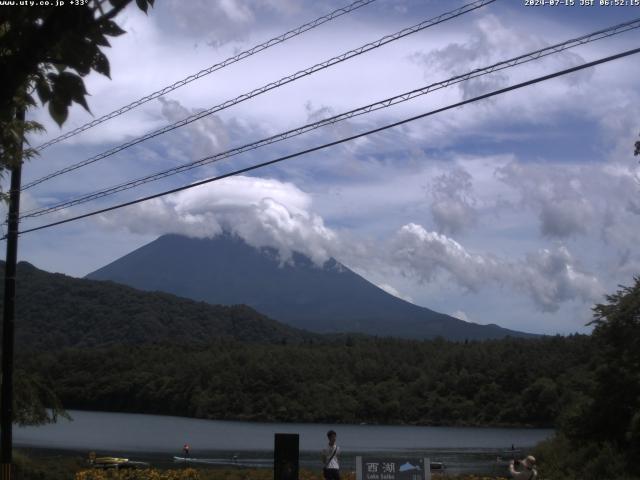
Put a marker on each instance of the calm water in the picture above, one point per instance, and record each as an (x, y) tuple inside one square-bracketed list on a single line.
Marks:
[(158, 438)]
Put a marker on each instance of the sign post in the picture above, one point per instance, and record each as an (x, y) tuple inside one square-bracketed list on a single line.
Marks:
[(376, 468)]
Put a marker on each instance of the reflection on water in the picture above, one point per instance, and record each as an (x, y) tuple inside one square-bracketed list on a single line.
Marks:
[(157, 439)]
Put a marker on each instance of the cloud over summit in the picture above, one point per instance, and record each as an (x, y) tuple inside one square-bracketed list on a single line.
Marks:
[(264, 212)]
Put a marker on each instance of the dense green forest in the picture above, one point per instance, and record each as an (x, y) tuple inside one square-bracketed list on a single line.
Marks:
[(57, 311), (505, 382)]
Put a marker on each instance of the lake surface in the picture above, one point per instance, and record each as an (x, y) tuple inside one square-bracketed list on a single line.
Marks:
[(160, 437)]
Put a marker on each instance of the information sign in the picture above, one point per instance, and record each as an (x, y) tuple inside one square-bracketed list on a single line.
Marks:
[(377, 468)]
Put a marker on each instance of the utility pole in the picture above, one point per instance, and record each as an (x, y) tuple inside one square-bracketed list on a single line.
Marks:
[(8, 317)]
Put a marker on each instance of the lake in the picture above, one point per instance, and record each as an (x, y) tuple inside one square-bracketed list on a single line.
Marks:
[(157, 438)]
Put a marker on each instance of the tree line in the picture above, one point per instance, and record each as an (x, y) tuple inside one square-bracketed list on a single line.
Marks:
[(599, 430), (349, 380)]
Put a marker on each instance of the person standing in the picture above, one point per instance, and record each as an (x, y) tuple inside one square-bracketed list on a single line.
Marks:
[(527, 473), (331, 465)]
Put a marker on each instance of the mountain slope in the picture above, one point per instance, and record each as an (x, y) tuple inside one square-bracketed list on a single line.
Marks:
[(55, 311), (225, 270)]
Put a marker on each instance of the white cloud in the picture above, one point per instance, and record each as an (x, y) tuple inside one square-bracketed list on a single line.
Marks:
[(489, 41), (556, 192), (215, 22), (264, 212), (202, 138), (581, 201), (549, 277), (460, 315), (453, 206), (553, 276), (392, 291), (426, 254)]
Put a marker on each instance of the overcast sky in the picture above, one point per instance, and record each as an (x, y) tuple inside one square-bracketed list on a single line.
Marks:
[(521, 210)]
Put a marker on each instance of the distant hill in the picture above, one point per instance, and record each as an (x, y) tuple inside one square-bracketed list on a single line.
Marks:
[(55, 311), (225, 270)]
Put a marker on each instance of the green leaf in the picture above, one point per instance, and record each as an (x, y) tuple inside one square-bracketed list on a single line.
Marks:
[(58, 111), (101, 40), (29, 101), (69, 87), (43, 89), (82, 101), (111, 28), (100, 64), (77, 53), (15, 134), (142, 5), (74, 82)]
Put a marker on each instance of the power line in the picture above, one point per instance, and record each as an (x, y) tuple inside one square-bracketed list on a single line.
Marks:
[(537, 54), (218, 66), (271, 86), (343, 140)]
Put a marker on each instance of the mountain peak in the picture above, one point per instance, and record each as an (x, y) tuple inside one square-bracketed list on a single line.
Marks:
[(328, 298)]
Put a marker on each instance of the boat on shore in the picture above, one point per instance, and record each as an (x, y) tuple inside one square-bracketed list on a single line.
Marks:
[(232, 462), (116, 463)]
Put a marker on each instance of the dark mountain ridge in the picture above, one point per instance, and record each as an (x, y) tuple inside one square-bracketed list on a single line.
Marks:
[(332, 298), (55, 311)]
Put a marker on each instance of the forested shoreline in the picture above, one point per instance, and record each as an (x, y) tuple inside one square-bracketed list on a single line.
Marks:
[(510, 382)]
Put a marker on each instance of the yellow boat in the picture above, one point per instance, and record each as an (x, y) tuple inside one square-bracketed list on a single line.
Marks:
[(114, 462), (110, 460)]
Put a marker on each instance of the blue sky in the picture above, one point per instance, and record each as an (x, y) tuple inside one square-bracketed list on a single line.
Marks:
[(521, 210)]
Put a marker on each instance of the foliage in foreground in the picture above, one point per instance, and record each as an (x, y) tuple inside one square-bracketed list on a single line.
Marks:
[(599, 432), (135, 474), (34, 400), (222, 474), (54, 467), (48, 51)]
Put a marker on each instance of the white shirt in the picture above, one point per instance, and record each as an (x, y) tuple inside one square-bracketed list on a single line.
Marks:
[(327, 452)]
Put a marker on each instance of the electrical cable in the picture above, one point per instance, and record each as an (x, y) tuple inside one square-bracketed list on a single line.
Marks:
[(218, 66), (598, 35), (271, 86), (343, 140)]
